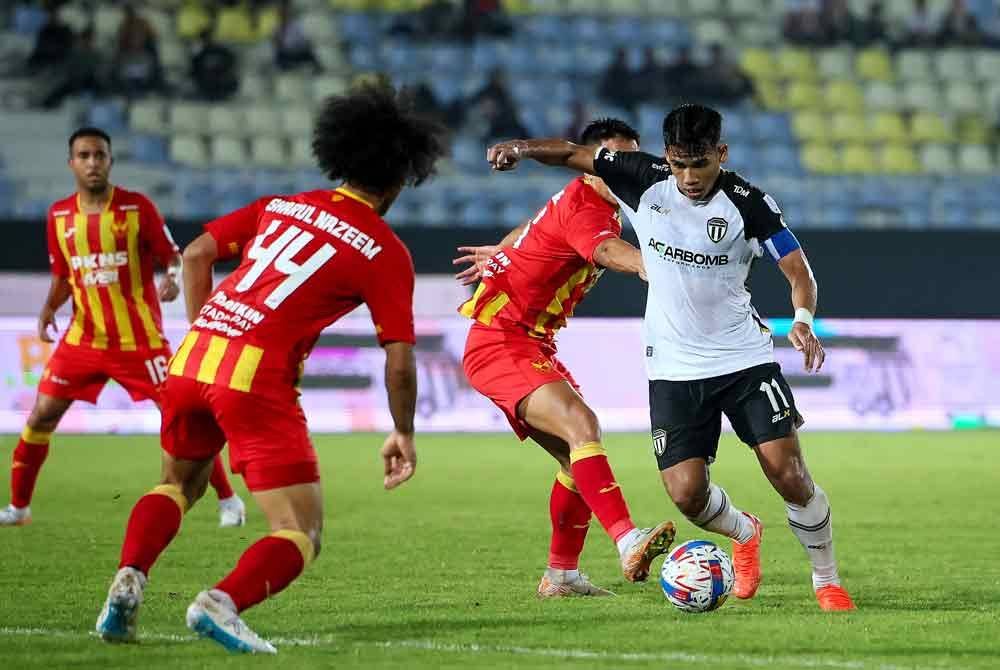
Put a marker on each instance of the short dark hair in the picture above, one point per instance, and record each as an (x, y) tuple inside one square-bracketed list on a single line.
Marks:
[(88, 131), (599, 130), (693, 128), (371, 137)]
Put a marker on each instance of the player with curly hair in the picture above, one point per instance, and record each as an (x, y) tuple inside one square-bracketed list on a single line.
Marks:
[(307, 260)]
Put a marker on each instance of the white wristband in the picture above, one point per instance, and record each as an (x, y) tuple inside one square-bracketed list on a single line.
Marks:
[(803, 315)]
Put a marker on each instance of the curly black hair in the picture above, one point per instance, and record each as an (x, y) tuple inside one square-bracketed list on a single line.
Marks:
[(371, 137), (692, 128), (599, 130)]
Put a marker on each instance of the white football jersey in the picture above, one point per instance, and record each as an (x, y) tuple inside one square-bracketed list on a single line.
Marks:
[(699, 321)]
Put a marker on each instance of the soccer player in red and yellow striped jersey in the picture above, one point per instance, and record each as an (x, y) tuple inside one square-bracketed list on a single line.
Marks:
[(531, 283), (103, 242)]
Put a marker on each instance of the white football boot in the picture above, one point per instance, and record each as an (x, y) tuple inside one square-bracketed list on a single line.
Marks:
[(232, 512), (117, 620), (213, 615), (555, 584), (15, 516)]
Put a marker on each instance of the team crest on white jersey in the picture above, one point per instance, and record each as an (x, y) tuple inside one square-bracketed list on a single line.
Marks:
[(716, 228)]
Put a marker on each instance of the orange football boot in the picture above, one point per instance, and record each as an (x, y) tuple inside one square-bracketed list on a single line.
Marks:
[(746, 562), (834, 598)]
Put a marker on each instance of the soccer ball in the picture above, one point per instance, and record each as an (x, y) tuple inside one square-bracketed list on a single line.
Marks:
[(697, 576)]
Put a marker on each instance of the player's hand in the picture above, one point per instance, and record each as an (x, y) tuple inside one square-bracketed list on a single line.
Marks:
[(400, 457), (804, 339), (46, 320), (504, 156), (476, 257), (169, 289)]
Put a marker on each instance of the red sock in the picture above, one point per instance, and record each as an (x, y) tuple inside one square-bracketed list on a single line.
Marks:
[(219, 480), (154, 522), (267, 567), (570, 521), (30, 453), (596, 483)]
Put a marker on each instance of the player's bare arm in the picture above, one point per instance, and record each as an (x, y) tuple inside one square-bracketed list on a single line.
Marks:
[(618, 255), (476, 257), (169, 288), (399, 453), (506, 155), (199, 257), (795, 267), (59, 292)]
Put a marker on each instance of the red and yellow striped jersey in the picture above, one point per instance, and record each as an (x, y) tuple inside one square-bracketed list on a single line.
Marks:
[(307, 260), (537, 282), (108, 259)]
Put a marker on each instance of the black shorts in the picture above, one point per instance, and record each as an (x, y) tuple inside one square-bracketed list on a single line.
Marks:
[(686, 417)]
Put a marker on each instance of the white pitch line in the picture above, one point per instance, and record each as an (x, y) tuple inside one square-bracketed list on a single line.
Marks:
[(330, 641)]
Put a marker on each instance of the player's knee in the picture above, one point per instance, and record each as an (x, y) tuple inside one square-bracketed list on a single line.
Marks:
[(794, 485), (690, 500), (584, 425)]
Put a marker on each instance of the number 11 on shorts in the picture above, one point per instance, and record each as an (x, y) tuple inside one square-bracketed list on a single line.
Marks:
[(766, 388)]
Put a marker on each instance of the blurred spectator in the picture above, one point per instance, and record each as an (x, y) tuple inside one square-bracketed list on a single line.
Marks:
[(802, 23), (491, 111), (52, 44), (213, 68), (424, 100), (680, 81), (435, 19), (838, 24), (136, 28), (484, 17), (136, 68), (725, 82), (80, 74), (291, 46), (873, 28), (578, 121), (616, 82), (959, 26), (921, 26)]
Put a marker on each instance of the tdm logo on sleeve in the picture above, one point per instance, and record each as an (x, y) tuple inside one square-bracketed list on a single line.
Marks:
[(659, 441), (716, 228)]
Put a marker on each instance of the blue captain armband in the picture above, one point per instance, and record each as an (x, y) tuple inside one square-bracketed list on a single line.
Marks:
[(781, 244)]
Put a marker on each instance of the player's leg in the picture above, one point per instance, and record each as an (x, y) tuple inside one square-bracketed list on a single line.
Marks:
[(809, 516), (232, 511), (686, 422), (570, 518), (558, 410), (30, 453)]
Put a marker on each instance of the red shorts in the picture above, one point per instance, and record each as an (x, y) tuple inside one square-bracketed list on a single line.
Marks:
[(507, 365), (80, 373), (268, 439)]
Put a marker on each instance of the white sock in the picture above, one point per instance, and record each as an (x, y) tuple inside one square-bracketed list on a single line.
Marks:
[(231, 500), (627, 540), (560, 576), (719, 516), (812, 525)]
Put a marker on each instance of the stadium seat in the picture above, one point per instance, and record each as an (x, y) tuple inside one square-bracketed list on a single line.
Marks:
[(297, 120), (930, 127), (843, 95), (147, 116), (174, 55), (875, 65), (192, 19), (291, 88), (188, 117), (937, 158), (301, 153), (254, 86), (803, 96), (712, 31), (898, 159), (858, 159), (821, 159), (963, 97), (146, 148), (797, 64), (324, 86), (811, 126), (109, 115), (229, 151), (835, 63), (263, 120), (881, 96), (234, 25), (973, 129), (759, 64), (771, 127), (319, 27), (986, 65), (914, 65), (753, 10), (226, 120), (188, 150), (921, 96), (268, 151), (888, 127), (848, 127), (107, 19), (953, 65), (769, 94), (975, 159), (759, 33), (707, 8)]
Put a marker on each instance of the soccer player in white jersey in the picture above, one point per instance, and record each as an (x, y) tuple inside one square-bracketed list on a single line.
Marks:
[(700, 228)]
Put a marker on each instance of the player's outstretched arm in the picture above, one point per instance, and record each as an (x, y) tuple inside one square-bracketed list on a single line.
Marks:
[(618, 255), (169, 288), (399, 452), (59, 292), (795, 267), (476, 257), (199, 257), (506, 155)]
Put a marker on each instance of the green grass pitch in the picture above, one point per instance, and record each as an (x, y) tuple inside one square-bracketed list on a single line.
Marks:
[(441, 573)]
